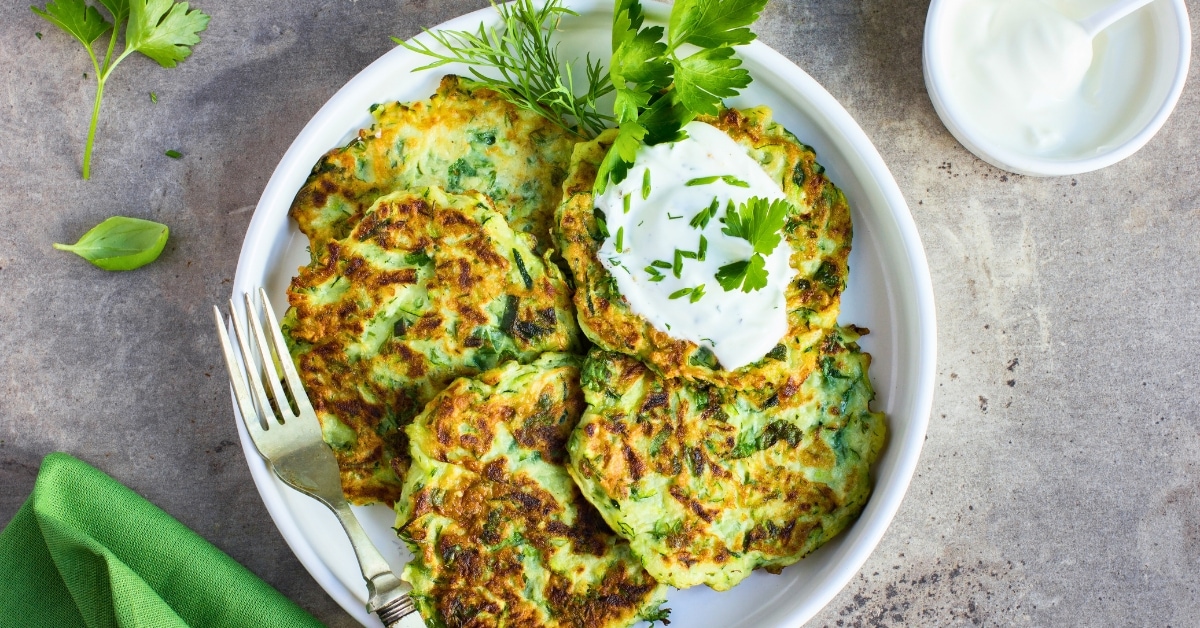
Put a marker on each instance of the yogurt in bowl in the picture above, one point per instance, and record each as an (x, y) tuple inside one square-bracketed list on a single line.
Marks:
[(1024, 87)]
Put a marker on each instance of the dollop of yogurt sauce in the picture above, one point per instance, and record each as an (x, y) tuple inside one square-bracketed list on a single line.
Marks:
[(1017, 68), (652, 215)]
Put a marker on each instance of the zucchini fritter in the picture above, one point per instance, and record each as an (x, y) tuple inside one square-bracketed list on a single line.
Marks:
[(818, 231), (428, 287), (501, 535), (707, 485), (465, 137)]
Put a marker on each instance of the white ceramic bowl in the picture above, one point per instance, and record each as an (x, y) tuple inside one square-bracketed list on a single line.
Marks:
[(889, 291), (1147, 111)]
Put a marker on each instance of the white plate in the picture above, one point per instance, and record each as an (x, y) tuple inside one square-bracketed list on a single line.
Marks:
[(889, 292)]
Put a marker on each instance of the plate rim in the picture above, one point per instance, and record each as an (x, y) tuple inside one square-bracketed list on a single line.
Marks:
[(885, 506)]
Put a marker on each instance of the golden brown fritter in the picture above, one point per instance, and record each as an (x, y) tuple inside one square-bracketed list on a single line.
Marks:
[(501, 535), (708, 485), (464, 137), (428, 287), (817, 230)]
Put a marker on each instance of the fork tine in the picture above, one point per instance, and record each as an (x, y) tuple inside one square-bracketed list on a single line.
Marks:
[(266, 415), (268, 362), (285, 361), (237, 380)]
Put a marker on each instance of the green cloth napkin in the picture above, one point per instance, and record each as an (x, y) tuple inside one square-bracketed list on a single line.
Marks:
[(86, 551)]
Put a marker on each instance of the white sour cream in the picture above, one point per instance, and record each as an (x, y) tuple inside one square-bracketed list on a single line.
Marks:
[(738, 327), (1029, 78)]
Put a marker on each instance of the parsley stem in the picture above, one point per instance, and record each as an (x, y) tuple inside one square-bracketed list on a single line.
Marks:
[(91, 137), (101, 78), (112, 45)]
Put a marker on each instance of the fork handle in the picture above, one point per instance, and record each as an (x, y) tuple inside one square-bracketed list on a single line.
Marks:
[(389, 598)]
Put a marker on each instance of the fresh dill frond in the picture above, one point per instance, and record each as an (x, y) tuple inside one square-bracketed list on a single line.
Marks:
[(519, 61)]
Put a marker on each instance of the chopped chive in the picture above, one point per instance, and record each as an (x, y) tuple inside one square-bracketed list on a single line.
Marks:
[(39, 35), (687, 254), (660, 264), (620, 243), (682, 292), (174, 154), (734, 181), (677, 267), (602, 226), (625, 201), (700, 221), (670, 217), (728, 179), (646, 184), (153, 97), (697, 293), (703, 248)]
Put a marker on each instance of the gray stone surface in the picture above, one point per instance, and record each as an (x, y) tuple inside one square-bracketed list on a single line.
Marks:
[(1060, 482)]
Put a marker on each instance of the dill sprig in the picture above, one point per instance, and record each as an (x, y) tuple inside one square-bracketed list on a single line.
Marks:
[(526, 70)]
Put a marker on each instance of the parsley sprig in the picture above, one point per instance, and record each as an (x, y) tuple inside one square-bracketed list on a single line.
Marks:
[(657, 90), (163, 30), (522, 64), (759, 222)]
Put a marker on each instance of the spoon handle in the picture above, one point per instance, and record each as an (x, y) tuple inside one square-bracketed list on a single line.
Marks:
[(1105, 17)]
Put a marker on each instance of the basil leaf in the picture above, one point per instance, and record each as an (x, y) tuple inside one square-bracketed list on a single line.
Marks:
[(120, 243)]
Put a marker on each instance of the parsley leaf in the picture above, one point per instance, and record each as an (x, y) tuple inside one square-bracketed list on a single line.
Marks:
[(79, 20), (749, 275), (664, 119), (638, 58), (713, 23), (163, 30), (705, 78), (757, 221)]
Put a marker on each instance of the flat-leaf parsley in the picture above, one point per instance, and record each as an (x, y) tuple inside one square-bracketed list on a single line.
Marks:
[(757, 221), (163, 30)]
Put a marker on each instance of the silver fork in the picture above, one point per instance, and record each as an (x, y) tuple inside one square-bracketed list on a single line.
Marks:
[(288, 436)]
